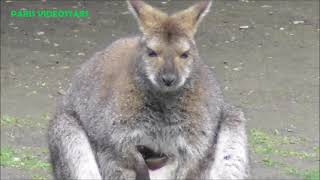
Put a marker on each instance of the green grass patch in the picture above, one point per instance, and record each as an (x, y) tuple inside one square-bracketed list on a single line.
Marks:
[(24, 160), (305, 174), (288, 169), (312, 175), (268, 145), (39, 177), (293, 170), (270, 162), (7, 120), (264, 143)]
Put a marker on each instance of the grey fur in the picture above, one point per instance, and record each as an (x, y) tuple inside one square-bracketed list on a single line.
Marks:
[(112, 106)]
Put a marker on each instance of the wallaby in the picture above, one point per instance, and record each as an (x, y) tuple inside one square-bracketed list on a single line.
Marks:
[(148, 107)]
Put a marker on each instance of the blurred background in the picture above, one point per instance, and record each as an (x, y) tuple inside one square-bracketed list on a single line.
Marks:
[(264, 53)]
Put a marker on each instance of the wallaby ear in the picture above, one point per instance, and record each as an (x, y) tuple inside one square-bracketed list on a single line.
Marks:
[(148, 17), (190, 18)]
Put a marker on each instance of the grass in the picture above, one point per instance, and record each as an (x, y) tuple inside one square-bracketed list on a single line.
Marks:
[(38, 177), (24, 160), (7, 120), (269, 162), (268, 145), (305, 174), (312, 175), (264, 143)]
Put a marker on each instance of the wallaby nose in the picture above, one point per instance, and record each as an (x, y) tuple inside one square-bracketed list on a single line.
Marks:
[(168, 79)]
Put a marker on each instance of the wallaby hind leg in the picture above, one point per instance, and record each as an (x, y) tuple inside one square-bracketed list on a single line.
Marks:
[(70, 150), (231, 156)]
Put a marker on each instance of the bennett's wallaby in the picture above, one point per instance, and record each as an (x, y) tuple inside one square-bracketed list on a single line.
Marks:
[(147, 107)]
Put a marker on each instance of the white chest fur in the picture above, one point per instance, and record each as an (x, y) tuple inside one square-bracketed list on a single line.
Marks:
[(166, 172)]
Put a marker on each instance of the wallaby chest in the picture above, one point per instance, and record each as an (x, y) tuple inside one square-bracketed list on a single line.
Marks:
[(171, 125)]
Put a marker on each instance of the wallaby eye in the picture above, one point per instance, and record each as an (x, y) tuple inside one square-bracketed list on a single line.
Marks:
[(151, 53), (184, 55)]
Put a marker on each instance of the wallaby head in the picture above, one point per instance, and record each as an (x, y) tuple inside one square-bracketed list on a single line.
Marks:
[(169, 51)]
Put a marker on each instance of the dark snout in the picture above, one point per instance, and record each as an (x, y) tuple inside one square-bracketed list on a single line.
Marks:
[(168, 79)]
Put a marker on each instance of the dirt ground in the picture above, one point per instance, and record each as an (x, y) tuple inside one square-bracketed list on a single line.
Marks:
[(265, 54)]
